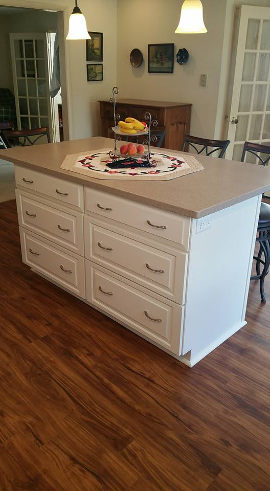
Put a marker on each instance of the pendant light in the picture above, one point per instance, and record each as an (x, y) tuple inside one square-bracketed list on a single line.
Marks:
[(77, 25), (191, 18)]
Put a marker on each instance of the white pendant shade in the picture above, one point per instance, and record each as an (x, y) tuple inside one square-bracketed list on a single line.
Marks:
[(77, 25), (191, 18)]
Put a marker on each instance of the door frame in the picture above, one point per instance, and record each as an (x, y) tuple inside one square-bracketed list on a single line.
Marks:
[(243, 13), (63, 11)]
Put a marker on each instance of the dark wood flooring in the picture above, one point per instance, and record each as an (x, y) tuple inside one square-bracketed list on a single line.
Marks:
[(87, 405)]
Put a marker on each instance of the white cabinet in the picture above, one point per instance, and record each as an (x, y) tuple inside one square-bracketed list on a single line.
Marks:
[(157, 320), (60, 266), (180, 283)]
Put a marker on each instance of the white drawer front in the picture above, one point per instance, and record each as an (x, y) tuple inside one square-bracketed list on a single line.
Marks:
[(159, 271), (57, 188), (158, 321), (146, 218), (66, 229), (62, 268)]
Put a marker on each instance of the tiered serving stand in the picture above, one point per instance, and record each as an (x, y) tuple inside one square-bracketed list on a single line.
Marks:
[(143, 160)]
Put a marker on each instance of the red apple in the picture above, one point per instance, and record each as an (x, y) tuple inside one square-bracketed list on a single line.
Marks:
[(124, 149), (140, 149), (132, 149)]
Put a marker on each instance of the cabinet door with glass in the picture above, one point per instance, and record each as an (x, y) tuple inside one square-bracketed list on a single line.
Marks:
[(29, 56)]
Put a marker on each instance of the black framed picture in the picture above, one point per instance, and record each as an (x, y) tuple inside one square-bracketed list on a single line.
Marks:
[(94, 73), (94, 47), (160, 58)]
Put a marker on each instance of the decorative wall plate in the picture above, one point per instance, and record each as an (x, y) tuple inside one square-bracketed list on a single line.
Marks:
[(136, 58), (182, 56)]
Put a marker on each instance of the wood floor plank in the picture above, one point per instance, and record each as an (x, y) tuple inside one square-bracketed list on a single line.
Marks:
[(86, 404)]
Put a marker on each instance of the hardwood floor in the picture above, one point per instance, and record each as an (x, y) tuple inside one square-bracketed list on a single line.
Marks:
[(87, 405)]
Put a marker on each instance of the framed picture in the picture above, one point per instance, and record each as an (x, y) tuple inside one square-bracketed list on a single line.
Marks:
[(94, 73), (94, 47), (160, 58)]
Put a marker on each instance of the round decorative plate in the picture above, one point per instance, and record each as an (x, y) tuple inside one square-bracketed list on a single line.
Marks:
[(136, 58)]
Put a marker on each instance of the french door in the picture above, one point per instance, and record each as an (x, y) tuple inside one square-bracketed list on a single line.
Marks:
[(31, 77), (249, 118)]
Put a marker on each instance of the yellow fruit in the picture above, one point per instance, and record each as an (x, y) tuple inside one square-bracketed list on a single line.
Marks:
[(128, 131), (128, 126), (136, 123)]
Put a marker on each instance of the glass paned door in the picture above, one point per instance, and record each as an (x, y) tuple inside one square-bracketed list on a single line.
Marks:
[(30, 79), (250, 106)]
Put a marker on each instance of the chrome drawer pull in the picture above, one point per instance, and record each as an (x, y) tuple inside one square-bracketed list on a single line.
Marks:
[(102, 208), (63, 229), (154, 270), (28, 181), (150, 318), (162, 227), (34, 253), (69, 271), (62, 194), (105, 248), (105, 293), (31, 214)]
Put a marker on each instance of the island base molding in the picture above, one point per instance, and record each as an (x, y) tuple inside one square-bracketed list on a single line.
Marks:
[(178, 282)]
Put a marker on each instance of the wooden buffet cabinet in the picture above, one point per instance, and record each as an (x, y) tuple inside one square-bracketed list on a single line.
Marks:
[(174, 117)]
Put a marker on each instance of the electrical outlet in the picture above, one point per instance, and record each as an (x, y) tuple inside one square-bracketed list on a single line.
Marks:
[(202, 224), (203, 80)]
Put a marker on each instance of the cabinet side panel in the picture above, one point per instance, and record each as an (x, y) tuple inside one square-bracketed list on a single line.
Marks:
[(222, 246)]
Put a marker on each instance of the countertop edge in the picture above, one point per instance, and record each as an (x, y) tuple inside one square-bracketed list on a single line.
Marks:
[(141, 199)]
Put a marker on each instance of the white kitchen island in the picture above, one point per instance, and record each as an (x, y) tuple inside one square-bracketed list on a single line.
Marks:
[(170, 260)]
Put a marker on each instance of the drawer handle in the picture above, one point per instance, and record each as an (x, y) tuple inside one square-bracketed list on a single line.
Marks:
[(63, 229), (30, 214), (102, 208), (69, 271), (105, 248), (151, 318), (105, 293), (162, 227), (154, 270), (29, 181), (62, 194), (33, 252)]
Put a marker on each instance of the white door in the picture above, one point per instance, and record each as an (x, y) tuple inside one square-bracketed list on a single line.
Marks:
[(30, 65), (249, 118)]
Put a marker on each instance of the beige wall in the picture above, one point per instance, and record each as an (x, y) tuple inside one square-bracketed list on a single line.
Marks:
[(27, 21), (157, 25), (82, 96)]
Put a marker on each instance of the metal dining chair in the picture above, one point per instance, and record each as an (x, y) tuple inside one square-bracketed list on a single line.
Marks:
[(26, 137), (262, 153), (205, 145)]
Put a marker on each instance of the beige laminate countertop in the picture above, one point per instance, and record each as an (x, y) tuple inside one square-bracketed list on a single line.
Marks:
[(221, 184)]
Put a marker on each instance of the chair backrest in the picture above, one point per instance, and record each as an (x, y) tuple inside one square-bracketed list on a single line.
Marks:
[(30, 137), (204, 145), (257, 149)]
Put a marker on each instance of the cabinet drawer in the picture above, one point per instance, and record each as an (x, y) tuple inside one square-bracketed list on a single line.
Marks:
[(57, 188), (66, 229), (65, 269), (159, 322), (145, 218), (151, 267)]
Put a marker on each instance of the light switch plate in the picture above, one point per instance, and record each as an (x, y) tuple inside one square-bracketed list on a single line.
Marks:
[(203, 80)]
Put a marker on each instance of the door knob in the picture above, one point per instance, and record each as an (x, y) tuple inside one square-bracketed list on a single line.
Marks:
[(234, 120)]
